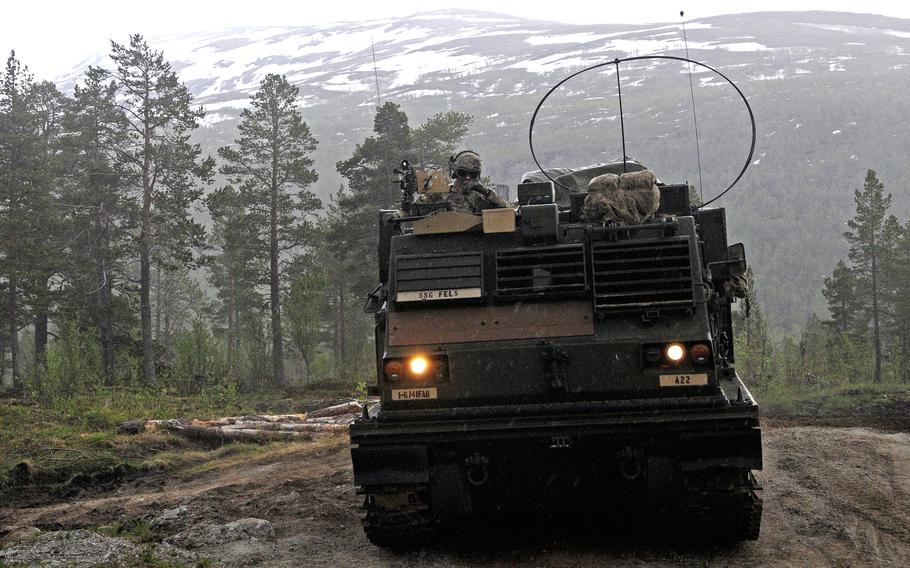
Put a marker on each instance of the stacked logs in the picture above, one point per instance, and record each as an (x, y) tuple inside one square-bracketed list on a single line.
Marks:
[(254, 428)]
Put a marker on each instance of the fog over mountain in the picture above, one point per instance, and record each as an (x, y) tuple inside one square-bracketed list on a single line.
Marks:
[(829, 92)]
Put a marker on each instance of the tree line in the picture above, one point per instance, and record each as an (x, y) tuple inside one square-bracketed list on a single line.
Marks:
[(866, 336), (107, 277)]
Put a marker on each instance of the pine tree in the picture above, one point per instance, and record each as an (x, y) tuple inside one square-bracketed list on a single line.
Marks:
[(96, 209), (236, 266), (20, 190), (751, 337), (348, 253), (844, 302), (166, 168), (46, 231), (369, 170), (897, 285), (437, 139), (308, 307), (271, 165), (871, 238)]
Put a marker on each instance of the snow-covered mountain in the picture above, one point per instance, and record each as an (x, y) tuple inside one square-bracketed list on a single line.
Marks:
[(829, 92)]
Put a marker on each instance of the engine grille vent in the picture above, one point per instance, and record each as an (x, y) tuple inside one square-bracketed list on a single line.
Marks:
[(541, 271), (438, 271), (650, 274)]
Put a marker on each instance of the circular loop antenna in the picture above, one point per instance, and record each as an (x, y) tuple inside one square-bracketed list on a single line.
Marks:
[(616, 62)]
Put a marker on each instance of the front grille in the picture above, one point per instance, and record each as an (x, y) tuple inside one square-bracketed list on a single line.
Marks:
[(438, 271), (541, 271), (651, 274)]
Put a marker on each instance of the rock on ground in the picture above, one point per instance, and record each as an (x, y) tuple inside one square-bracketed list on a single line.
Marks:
[(82, 548)]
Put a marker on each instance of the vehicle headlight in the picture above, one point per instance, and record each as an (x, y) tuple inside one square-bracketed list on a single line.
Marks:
[(418, 365), (675, 352)]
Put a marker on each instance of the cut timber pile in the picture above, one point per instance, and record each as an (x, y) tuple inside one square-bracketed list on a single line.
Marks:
[(255, 428)]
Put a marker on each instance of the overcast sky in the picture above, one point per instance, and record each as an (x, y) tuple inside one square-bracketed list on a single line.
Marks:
[(52, 37)]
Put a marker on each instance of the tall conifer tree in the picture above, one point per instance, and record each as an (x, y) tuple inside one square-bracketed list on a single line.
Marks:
[(19, 160), (844, 302), (97, 211), (871, 239), (271, 165), (165, 167), (237, 266)]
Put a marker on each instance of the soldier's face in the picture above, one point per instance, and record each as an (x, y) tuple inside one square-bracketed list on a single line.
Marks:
[(464, 178)]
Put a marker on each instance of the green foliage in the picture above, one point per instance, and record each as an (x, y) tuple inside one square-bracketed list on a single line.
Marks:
[(137, 530), (844, 297), (73, 362), (360, 391), (752, 340), (271, 165), (779, 398), (436, 140), (307, 309), (200, 362), (156, 152)]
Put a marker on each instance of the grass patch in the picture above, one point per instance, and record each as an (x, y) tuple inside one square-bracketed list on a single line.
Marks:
[(54, 442), (192, 462), (136, 530), (803, 400)]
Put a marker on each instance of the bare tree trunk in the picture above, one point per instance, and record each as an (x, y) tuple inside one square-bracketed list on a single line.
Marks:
[(342, 333), (145, 266), (278, 378), (40, 320), (232, 322), (164, 340), (105, 329), (903, 341), (13, 311), (158, 305), (876, 331), (103, 316), (2, 361), (336, 332)]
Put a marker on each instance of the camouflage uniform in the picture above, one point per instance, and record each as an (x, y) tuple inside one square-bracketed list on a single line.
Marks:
[(468, 195), (474, 198)]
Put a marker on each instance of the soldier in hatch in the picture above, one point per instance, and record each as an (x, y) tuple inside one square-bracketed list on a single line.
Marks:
[(466, 192)]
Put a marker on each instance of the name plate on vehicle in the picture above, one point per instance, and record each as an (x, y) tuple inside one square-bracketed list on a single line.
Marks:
[(444, 294), (414, 394), (697, 379)]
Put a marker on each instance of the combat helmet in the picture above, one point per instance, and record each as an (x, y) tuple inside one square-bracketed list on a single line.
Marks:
[(467, 160)]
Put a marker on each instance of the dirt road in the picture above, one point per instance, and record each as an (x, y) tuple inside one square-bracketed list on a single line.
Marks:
[(833, 497)]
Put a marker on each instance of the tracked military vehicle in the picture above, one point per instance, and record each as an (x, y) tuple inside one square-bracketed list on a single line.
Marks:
[(544, 358)]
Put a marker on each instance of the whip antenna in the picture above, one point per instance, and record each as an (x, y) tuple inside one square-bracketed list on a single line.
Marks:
[(375, 76), (388, 168), (694, 114), (622, 125)]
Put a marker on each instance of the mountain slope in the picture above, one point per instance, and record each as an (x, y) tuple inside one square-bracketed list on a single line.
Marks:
[(828, 92)]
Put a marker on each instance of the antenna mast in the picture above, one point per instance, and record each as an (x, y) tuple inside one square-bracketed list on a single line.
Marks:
[(388, 168), (694, 114), (622, 124), (375, 75)]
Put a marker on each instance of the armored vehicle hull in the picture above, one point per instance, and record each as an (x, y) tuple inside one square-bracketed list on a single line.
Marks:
[(551, 362)]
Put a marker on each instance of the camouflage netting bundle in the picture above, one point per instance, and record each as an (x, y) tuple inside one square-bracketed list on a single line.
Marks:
[(628, 199)]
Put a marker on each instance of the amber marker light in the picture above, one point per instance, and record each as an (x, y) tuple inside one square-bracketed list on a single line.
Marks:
[(675, 352), (418, 365)]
